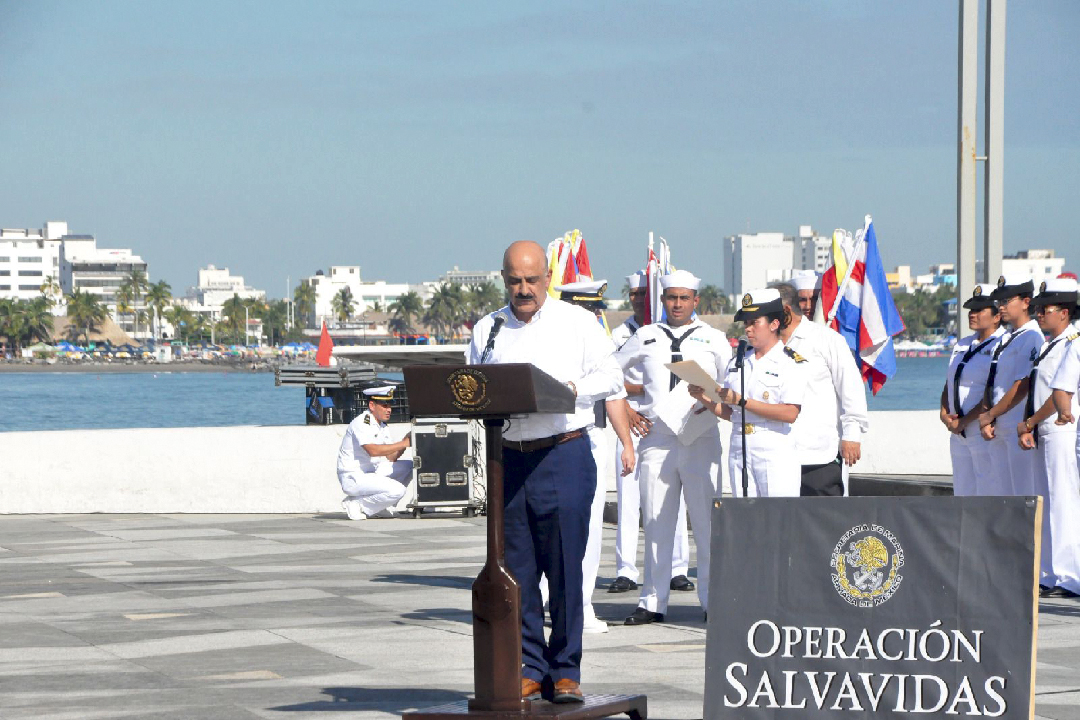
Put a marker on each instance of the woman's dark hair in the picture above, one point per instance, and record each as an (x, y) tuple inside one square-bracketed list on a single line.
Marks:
[(785, 319)]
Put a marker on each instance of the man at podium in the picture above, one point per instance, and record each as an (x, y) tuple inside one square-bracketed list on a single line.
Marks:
[(549, 474)]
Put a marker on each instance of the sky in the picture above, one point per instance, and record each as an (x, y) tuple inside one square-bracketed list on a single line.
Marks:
[(280, 138)]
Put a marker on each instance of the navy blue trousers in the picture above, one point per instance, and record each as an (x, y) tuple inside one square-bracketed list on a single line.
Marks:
[(547, 496)]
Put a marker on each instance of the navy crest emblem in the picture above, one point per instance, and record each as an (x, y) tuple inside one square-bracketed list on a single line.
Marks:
[(747, 300), (1001, 281)]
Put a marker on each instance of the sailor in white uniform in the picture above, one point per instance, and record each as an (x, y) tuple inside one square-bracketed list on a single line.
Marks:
[(962, 398), (1054, 445), (681, 454), (774, 386), (1007, 386), (589, 294), (629, 493), (828, 433), (369, 467)]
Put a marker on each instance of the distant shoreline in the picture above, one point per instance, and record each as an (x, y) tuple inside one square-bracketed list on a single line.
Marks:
[(122, 367)]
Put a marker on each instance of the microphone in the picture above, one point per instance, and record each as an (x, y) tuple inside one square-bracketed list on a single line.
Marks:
[(499, 320), (740, 353)]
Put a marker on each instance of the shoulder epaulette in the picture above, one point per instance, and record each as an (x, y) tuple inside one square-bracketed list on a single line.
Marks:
[(367, 419), (1072, 337), (793, 355)]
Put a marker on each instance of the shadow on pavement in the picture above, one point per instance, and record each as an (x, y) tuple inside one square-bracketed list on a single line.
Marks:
[(451, 581), (1065, 608), (451, 614), (394, 700)]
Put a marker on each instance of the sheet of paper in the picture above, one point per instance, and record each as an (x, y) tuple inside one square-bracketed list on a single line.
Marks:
[(694, 374), (677, 410)]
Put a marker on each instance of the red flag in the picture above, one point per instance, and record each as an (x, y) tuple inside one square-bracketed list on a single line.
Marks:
[(326, 347), (582, 259)]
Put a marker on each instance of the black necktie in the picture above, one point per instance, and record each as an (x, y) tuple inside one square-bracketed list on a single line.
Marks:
[(676, 350)]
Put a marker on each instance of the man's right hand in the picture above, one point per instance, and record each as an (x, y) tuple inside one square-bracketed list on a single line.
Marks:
[(639, 424)]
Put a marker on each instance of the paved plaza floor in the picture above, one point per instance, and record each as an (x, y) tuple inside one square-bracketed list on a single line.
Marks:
[(229, 617)]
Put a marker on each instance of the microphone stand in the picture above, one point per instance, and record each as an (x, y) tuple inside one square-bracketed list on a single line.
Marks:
[(740, 365)]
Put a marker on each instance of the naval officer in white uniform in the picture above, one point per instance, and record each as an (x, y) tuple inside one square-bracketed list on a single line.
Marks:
[(962, 398), (369, 467), (681, 453), (1011, 471), (775, 385), (828, 432), (629, 494), (1054, 445)]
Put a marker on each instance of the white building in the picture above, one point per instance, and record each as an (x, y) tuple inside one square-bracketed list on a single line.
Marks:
[(755, 261), (1039, 265), (216, 285), (101, 271), (471, 277), (28, 257), (366, 295)]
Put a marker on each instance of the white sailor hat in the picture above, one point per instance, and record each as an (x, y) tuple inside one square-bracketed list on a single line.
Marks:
[(759, 302), (590, 292), (805, 280), (637, 280), (382, 394), (1012, 285), (680, 279), (1059, 291), (982, 297)]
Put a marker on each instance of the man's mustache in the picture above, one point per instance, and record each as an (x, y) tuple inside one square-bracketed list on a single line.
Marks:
[(524, 297)]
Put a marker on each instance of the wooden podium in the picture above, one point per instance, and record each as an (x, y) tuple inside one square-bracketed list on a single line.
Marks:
[(492, 393)]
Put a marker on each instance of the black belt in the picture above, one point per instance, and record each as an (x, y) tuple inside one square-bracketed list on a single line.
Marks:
[(527, 446)]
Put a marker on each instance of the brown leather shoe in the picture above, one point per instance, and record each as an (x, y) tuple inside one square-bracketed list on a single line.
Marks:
[(530, 689), (567, 691)]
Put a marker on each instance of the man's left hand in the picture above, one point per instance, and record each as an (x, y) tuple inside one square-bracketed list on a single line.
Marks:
[(850, 451), (629, 458)]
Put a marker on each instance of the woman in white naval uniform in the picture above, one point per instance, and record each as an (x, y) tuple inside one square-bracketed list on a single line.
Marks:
[(774, 393), (1007, 384), (1054, 445), (962, 398)]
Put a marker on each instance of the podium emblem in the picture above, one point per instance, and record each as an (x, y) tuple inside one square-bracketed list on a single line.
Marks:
[(469, 388), (866, 565)]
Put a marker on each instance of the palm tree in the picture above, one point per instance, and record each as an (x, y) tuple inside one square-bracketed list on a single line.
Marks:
[(136, 281), (125, 301), (446, 309), (180, 318), (158, 296), (85, 312), (405, 309), (712, 301), (275, 319), (483, 299), (50, 290), (234, 312), (11, 322), (303, 302), (37, 321), (343, 304)]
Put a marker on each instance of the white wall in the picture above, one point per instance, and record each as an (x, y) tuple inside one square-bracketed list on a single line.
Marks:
[(288, 469)]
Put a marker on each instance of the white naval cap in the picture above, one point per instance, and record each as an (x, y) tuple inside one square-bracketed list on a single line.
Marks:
[(805, 280), (760, 302), (380, 394), (1013, 284), (637, 280), (1057, 291), (584, 287), (680, 279)]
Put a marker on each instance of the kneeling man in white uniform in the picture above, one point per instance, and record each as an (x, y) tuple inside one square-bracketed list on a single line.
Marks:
[(369, 469)]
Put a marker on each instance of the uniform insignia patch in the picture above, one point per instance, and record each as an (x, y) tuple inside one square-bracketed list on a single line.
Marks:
[(747, 300), (1034, 354), (794, 355), (978, 291), (765, 395), (650, 340), (1072, 337), (367, 419)]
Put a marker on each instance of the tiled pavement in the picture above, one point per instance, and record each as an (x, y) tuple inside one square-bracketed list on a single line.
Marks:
[(179, 616)]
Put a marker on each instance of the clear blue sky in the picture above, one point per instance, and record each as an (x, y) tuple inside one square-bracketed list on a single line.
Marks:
[(280, 138)]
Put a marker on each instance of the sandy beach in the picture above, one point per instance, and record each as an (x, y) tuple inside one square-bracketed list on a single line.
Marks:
[(134, 367)]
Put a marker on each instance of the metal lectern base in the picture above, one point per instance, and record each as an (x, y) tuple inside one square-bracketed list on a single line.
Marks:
[(595, 706)]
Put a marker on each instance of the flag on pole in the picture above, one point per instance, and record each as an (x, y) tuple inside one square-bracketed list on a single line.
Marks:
[(859, 305), (326, 348), (568, 261), (657, 264)]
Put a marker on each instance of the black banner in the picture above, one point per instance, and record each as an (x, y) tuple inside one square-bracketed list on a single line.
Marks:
[(883, 607)]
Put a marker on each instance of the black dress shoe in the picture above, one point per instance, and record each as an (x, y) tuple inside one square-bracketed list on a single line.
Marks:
[(1045, 591), (622, 584), (642, 616), (681, 582), (1061, 592)]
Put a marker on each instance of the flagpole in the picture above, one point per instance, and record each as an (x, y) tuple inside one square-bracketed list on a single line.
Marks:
[(847, 273)]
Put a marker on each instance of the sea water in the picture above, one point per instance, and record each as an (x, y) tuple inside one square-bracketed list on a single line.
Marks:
[(87, 400)]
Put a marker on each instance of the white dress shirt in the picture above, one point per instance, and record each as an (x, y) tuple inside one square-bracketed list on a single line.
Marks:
[(973, 377), (1057, 354), (363, 430), (775, 379), (567, 343), (834, 403), (633, 374), (650, 349)]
